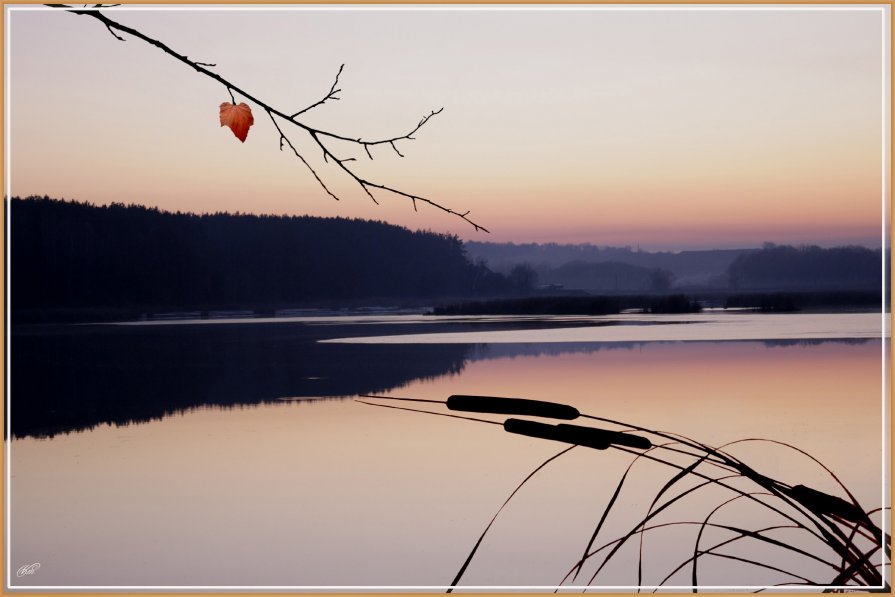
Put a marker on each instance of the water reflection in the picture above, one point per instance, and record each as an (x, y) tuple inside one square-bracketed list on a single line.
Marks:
[(510, 351), (335, 492), (69, 378)]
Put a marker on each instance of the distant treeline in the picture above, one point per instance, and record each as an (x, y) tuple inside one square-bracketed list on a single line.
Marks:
[(69, 255), (682, 263), (574, 305), (784, 266), (78, 260), (609, 276), (598, 268), (797, 301), (623, 270), (816, 300)]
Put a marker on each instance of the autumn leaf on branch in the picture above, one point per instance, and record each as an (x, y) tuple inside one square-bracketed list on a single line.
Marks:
[(238, 118)]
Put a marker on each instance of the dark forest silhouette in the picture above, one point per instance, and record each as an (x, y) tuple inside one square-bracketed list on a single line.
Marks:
[(69, 255), (811, 267)]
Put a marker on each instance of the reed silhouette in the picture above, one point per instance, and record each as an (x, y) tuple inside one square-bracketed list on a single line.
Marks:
[(835, 531)]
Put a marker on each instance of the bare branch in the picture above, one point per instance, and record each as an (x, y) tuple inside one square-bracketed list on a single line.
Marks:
[(285, 140), (113, 34), (409, 136), (315, 133), (415, 198), (329, 154), (329, 96)]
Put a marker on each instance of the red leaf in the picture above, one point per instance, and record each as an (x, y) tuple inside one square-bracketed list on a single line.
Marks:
[(238, 118)]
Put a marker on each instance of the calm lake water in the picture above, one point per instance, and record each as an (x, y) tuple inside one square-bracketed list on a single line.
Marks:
[(235, 453)]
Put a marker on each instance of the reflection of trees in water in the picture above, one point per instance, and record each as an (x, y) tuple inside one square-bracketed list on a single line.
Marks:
[(815, 342), (76, 378), (69, 378), (480, 352), (484, 352)]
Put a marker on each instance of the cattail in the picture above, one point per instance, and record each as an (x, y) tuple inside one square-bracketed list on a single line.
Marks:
[(553, 432), (824, 503), (612, 437), (590, 437), (512, 406)]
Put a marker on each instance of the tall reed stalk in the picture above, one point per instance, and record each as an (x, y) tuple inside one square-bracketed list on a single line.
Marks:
[(836, 533)]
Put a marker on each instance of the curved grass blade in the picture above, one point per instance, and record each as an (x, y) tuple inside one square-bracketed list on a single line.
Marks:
[(736, 490), (721, 544), (857, 567), (577, 568), (496, 514), (824, 505), (428, 412), (694, 581), (743, 534), (588, 554), (401, 399), (854, 501), (579, 565), (757, 563), (804, 453), (677, 477), (692, 443), (832, 534), (856, 529), (651, 513)]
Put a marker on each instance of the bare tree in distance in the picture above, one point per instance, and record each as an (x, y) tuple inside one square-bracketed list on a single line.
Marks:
[(322, 138)]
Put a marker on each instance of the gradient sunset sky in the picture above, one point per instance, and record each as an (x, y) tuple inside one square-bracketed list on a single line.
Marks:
[(668, 129)]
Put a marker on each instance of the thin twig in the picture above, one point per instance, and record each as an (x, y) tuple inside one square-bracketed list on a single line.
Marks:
[(329, 96), (115, 35), (285, 139)]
